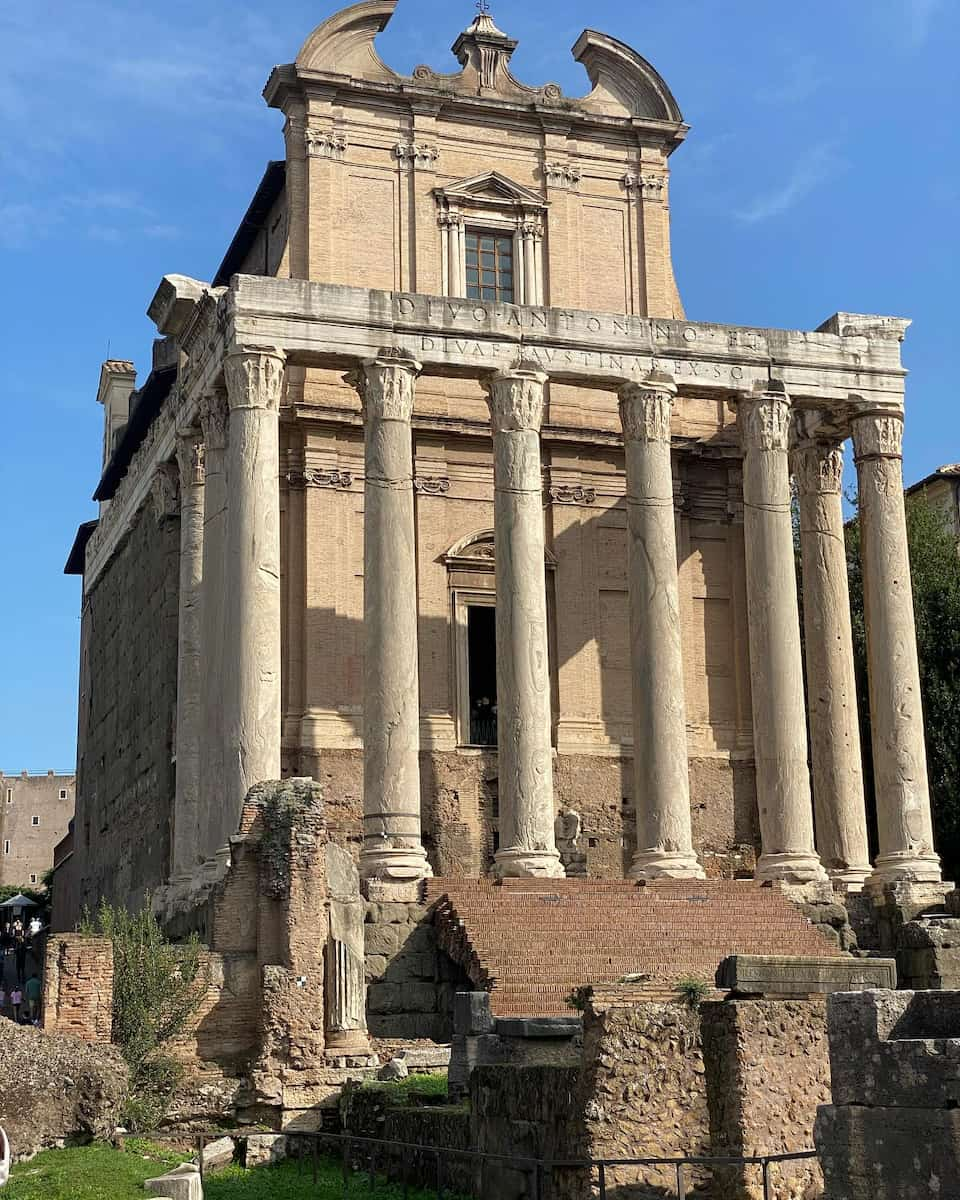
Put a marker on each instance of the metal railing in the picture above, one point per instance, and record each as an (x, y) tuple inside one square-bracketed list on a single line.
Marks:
[(440, 1169)]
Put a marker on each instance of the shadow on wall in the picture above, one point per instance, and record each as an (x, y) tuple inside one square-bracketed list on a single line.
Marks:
[(588, 624)]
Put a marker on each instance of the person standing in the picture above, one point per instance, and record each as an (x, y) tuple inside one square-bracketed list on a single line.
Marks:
[(16, 1002), (33, 991)]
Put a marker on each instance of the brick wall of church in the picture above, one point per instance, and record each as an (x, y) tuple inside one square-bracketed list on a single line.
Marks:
[(126, 774)]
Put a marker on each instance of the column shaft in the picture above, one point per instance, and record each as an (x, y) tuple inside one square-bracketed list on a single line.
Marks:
[(392, 848), (904, 821), (776, 668), (841, 822), (525, 767), (252, 580), (660, 771), (189, 663), (214, 416)]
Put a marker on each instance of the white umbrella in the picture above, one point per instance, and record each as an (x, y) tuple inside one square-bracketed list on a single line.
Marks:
[(4, 1158)]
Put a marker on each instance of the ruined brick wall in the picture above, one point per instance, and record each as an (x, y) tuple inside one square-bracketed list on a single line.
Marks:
[(78, 987), (125, 776), (767, 1070)]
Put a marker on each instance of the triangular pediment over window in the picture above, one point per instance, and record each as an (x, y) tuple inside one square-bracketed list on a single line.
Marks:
[(492, 187)]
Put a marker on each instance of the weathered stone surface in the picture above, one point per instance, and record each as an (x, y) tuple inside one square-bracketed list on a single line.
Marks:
[(471, 1014), (396, 1068), (54, 1088), (182, 1183), (776, 666), (661, 778), (841, 822), (392, 849), (527, 845), (260, 1149), (904, 822), (219, 1153), (759, 974), (895, 1049)]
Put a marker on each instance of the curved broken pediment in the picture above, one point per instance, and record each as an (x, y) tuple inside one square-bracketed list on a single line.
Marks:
[(623, 83)]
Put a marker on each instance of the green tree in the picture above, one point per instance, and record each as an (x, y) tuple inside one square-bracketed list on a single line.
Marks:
[(935, 576)]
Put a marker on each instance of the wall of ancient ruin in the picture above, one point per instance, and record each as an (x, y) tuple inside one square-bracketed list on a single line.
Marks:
[(78, 987), (767, 1069), (125, 772), (35, 811)]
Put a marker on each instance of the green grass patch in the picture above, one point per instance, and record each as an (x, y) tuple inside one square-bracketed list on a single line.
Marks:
[(415, 1089), (100, 1172), (97, 1172)]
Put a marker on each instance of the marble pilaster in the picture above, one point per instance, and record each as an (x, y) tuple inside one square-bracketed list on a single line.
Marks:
[(660, 771), (392, 848), (838, 801), (251, 661), (345, 1023), (214, 416), (776, 667), (525, 766), (904, 820), (190, 452)]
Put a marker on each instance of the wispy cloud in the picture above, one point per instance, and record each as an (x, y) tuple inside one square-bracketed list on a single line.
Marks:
[(921, 15), (810, 169), (801, 78)]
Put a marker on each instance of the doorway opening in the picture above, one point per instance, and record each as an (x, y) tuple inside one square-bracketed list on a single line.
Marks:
[(482, 673)]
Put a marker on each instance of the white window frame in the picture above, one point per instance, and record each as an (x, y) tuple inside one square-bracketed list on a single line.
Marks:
[(6, 846), (63, 794), (9, 795), (33, 878), (35, 822)]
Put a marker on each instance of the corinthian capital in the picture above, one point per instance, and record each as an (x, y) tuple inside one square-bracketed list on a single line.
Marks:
[(878, 435), (645, 409), (386, 385), (817, 467), (254, 378), (516, 399), (213, 418), (764, 420), (190, 457)]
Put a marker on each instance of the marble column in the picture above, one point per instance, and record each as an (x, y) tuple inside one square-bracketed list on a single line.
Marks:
[(776, 668), (661, 784), (896, 717), (525, 766), (251, 661), (345, 1023), (214, 416), (392, 848), (189, 662), (838, 803)]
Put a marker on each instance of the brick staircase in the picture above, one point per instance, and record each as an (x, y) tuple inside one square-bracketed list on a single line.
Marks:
[(530, 942)]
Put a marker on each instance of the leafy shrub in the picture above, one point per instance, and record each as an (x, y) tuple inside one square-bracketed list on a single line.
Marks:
[(158, 985), (692, 991)]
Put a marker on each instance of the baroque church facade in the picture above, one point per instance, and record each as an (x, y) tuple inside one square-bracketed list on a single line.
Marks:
[(434, 495)]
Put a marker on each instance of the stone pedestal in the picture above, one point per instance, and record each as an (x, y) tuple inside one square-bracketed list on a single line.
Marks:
[(776, 668), (896, 718), (527, 844), (214, 416), (661, 782), (251, 661), (392, 850), (189, 661), (841, 821)]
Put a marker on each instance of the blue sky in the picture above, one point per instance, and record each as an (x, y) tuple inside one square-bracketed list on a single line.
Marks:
[(822, 172)]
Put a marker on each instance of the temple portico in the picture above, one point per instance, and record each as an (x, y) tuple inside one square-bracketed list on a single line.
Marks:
[(805, 405)]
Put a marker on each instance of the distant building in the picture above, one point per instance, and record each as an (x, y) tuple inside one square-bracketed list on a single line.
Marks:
[(942, 490), (35, 813)]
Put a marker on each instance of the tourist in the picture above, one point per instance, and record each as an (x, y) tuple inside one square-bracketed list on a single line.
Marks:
[(35, 926), (20, 951), (3, 1000), (33, 990), (16, 1002)]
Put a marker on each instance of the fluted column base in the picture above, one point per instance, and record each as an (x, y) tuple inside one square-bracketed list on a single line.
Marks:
[(665, 864), (517, 863), (791, 868)]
